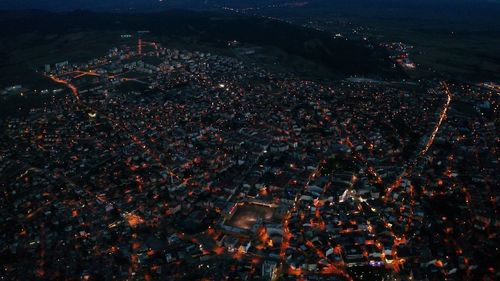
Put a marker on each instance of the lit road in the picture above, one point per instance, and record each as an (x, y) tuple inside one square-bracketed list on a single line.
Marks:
[(72, 87), (430, 141)]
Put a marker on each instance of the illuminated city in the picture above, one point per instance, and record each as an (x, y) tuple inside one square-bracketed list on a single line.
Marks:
[(157, 159)]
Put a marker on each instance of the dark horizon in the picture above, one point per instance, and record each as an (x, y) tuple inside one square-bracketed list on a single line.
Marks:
[(107, 5)]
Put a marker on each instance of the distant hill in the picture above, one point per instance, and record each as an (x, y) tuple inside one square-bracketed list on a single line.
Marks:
[(355, 6), (341, 57)]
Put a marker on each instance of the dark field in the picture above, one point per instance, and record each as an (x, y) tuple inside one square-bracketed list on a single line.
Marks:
[(452, 39)]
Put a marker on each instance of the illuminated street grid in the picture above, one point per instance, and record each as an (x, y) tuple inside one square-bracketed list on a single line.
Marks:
[(133, 169)]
